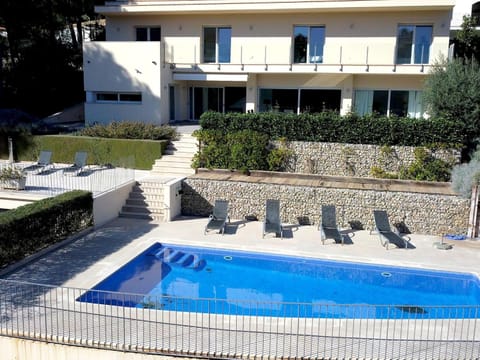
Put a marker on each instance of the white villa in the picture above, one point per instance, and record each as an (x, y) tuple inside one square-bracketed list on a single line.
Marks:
[(172, 60)]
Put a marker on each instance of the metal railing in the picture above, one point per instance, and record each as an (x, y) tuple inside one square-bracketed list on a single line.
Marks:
[(216, 328), (94, 178)]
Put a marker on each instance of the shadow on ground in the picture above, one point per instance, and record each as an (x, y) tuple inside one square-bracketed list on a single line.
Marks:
[(62, 264)]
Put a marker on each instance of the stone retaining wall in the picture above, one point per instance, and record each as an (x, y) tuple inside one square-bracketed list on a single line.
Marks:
[(438, 212), (354, 159)]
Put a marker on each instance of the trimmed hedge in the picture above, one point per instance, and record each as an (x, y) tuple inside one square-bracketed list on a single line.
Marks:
[(329, 126), (101, 151), (30, 228), (130, 130)]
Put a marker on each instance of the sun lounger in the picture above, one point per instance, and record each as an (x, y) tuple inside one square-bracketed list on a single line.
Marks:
[(78, 165), (385, 233), (42, 164), (272, 222), (219, 217), (328, 225)]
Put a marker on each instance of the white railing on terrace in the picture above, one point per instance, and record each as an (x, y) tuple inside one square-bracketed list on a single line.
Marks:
[(371, 57), (261, 330), (94, 178)]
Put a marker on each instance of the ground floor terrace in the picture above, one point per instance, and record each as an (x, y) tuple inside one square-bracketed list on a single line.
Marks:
[(39, 300)]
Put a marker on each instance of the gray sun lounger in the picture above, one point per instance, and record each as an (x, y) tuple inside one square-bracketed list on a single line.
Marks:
[(385, 233), (78, 164), (272, 222), (219, 217), (42, 164), (328, 225)]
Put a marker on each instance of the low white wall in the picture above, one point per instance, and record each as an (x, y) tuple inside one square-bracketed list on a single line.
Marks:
[(172, 193), (13, 348), (107, 205)]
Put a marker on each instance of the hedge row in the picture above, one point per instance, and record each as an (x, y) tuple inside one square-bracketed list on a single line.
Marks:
[(331, 127), (30, 228), (117, 152), (130, 130)]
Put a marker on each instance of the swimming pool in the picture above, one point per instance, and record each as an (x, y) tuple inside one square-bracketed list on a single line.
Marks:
[(172, 277)]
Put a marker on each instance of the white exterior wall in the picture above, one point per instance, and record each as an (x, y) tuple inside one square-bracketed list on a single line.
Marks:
[(462, 8), (358, 46), (122, 67)]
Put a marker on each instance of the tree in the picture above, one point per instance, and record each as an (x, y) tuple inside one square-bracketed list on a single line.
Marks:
[(467, 40), (41, 70), (452, 92)]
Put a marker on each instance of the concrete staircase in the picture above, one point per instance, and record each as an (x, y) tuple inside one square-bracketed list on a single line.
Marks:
[(145, 201), (177, 159)]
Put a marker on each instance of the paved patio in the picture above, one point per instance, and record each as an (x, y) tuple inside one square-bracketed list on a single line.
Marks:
[(52, 314), (87, 260)]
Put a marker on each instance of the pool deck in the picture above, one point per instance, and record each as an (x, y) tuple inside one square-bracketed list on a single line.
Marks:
[(83, 262)]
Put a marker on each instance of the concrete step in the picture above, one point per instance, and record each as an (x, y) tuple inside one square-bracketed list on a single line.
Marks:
[(180, 152), (148, 189), (142, 209), (177, 171), (175, 158), (146, 196), (145, 202), (174, 163), (154, 217)]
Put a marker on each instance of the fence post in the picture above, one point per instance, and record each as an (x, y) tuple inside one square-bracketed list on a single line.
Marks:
[(473, 216)]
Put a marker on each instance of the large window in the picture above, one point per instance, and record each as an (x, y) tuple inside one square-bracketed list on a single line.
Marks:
[(413, 44), (147, 33), (308, 44), (389, 102), (227, 99), (299, 100), (217, 44)]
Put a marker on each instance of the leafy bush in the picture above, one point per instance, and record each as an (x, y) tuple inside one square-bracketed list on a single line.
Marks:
[(329, 126), (426, 168), (130, 130), (465, 176), (248, 150), (241, 150), (278, 157), (30, 228), (380, 173)]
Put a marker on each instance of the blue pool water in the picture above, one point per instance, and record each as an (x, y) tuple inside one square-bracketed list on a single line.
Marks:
[(172, 277)]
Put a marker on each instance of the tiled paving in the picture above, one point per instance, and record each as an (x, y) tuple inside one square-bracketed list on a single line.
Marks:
[(84, 262)]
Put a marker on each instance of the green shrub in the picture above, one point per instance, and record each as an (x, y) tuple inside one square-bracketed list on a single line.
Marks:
[(379, 173), (130, 130), (248, 150), (426, 168), (278, 157), (30, 228), (465, 176), (138, 154), (241, 150)]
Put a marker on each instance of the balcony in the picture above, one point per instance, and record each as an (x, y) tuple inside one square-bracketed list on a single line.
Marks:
[(338, 57)]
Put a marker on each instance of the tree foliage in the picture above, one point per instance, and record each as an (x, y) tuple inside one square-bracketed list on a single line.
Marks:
[(452, 92), (467, 40), (40, 67)]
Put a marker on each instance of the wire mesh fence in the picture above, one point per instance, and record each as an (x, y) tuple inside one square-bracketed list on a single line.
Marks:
[(217, 328)]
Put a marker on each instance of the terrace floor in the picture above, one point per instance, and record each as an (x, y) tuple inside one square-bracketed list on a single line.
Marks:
[(85, 261)]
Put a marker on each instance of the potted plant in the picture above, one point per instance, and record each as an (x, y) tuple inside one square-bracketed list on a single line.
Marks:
[(12, 177)]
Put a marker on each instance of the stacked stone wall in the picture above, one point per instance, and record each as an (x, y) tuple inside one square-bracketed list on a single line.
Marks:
[(354, 159), (425, 213)]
